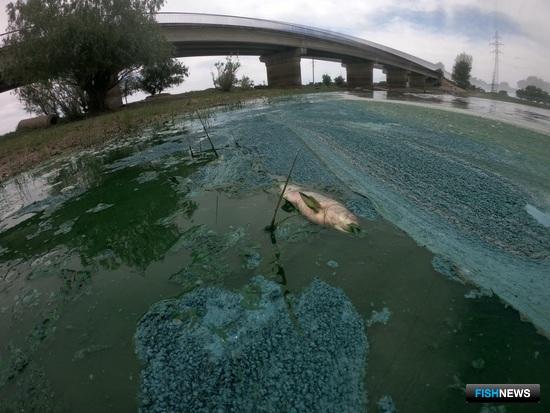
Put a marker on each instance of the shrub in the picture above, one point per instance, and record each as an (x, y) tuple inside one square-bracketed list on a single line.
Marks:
[(339, 81), (226, 76), (246, 83)]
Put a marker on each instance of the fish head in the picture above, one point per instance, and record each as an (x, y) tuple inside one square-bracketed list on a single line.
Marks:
[(345, 221)]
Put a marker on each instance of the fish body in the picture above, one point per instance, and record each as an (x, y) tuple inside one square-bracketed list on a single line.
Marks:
[(320, 209)]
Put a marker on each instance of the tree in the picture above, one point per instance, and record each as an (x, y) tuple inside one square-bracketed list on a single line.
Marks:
[(89, 44), (534, 81), (339, 81), (533, 94), (462, 69), (327, 80), (53, 98), (156, 77), (226, 76)]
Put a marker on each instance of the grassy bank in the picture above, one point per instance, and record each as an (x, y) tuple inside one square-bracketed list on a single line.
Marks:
[(20, 151)]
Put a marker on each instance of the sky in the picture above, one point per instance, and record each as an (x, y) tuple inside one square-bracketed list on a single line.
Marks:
[(435, 30)]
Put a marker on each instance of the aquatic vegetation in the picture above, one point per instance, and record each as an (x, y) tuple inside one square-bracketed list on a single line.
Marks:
[(207, 251), (455, 183), (243, 352), (238, 172)]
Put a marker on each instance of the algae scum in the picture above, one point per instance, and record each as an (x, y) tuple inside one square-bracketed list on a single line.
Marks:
[(139, 277)]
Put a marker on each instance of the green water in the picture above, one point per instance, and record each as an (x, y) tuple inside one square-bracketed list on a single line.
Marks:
[(107, 243)]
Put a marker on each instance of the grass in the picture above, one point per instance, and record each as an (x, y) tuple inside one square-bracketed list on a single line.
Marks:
[(20, 151)]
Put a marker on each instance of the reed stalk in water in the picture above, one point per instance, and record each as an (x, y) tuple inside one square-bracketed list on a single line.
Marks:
[(205, 127), (271, 228)]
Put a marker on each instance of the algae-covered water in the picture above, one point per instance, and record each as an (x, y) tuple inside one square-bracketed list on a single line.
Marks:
[(450, 276)]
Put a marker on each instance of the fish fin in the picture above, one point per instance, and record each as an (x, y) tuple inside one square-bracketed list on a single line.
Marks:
[(353, 228), (311, 202), (288, 207)]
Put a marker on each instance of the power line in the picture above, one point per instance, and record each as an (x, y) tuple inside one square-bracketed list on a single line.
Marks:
[(496, 50)]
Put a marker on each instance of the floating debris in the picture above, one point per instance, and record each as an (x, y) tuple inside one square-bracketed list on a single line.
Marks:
[(478, 363), (215, 350), (386, 405), (479, 293), (381, 317), (93, 348), (332, 264), (447, 268), (99, 207), (147, 176)]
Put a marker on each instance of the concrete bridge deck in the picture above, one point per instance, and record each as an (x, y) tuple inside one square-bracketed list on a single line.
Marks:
[(282, 45)]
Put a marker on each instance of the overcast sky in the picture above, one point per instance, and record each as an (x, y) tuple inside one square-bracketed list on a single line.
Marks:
[(431, 29)]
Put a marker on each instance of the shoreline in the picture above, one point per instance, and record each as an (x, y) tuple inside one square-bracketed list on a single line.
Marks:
[(24, 150)]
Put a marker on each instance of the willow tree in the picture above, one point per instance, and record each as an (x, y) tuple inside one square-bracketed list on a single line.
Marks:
[(89, 44)]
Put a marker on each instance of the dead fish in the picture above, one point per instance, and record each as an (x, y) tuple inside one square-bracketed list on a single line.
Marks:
[(321, 209)]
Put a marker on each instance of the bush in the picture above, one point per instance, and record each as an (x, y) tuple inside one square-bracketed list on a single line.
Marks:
[(327, 80), (339, 81), (246, 83), (226, 76)]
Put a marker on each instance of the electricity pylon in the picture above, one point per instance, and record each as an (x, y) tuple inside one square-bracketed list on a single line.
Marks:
[(496, 50)]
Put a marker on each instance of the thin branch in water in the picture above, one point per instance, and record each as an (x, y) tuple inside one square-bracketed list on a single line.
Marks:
[(205, 127), (271, 228)]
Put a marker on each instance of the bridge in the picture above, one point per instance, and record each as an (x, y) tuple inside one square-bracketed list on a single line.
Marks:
[(281, 46)]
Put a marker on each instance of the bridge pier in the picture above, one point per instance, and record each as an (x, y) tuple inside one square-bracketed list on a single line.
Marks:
[(397, 78), (359, 74), (283, 69), (417, 81)]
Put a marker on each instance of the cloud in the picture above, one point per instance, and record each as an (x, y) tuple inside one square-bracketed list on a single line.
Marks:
[(12, 112)]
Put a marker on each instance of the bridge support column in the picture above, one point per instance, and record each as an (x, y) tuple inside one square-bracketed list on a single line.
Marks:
[(283, 69), (396, 78), (417, 81), (359, 74)]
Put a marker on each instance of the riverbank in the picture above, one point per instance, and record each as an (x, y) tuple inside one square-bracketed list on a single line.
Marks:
[(20, 151), (23, 150), (506, 98)]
